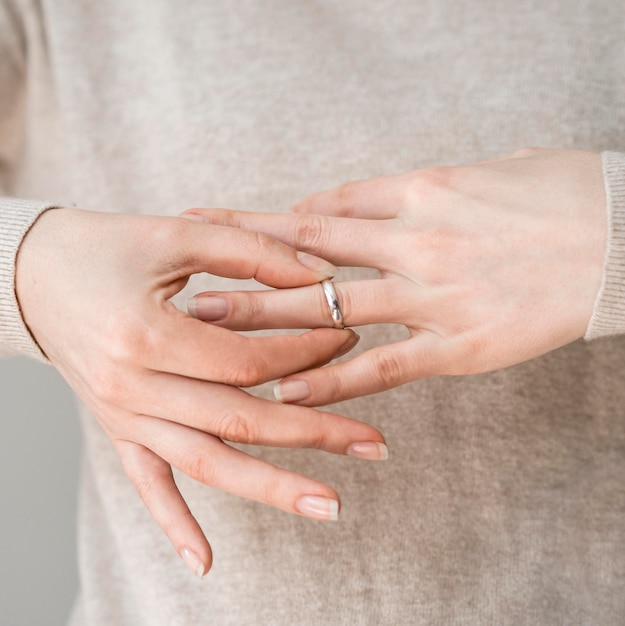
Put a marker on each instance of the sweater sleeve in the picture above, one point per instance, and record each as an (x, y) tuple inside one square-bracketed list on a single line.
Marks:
[(608, 317), (16, 216)]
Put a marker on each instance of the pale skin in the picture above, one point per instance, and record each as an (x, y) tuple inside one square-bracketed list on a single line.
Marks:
[(95, 292), (486, 266)]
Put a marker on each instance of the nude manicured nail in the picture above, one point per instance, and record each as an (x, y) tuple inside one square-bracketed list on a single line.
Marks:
[(208, 308), (194, 217), (193, 562), (318, 507), (317, 265), (370, 450), (351, 341), (291, 391)]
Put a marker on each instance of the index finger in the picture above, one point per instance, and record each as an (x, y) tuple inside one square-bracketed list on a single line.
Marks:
[(240, 253), (340, 240)]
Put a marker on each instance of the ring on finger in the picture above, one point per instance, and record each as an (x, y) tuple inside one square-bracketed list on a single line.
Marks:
[(333, 304)]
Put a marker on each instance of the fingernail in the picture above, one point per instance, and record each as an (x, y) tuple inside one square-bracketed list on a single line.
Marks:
[(194, 217), (317, 265), (351, 341), (370, 450), (193, 562), (207, 308), (291, 391), (318, 507)]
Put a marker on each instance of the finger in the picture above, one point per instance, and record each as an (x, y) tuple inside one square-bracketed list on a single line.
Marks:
[(210, 461), (376, 198), (361, 302), (153, 480), (236, 416), (193, 348), (342, 241), (376, 370), (236, 253)]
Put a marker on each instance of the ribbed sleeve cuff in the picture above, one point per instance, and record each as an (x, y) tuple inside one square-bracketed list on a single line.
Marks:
[(16, 218), (608, 317)]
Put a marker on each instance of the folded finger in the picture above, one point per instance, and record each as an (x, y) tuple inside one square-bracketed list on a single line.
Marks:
[(237, 253), (152, 478)]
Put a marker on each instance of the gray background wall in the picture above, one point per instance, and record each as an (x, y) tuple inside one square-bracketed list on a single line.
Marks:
[(39, 458)]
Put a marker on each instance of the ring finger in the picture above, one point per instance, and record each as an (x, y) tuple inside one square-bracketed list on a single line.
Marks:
[(361, 302)]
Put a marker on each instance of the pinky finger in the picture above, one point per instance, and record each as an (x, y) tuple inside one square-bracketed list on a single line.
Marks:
[(154, 481)]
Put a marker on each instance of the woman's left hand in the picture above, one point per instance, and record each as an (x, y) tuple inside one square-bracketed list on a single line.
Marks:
[(486, 265)]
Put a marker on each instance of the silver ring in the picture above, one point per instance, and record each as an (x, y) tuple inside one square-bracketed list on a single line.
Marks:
[(333, 303)]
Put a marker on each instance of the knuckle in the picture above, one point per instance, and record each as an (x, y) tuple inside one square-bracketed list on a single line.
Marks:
[(260, 244), (236, 428), (427, 182), (388, 369), (168, 526), (127, 339), (326, 428), (172, 524), (107, 385), (346, 197), (331, 387), (470, 350), (310, 232), (224, 217), (199, 467), (163, 235), (143, 485), (167, 242), (247, 372), (125, 343), (251, 305), (270, 491)]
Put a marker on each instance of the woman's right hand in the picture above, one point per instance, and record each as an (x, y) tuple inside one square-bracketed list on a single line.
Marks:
[(485, 265), (95, 292)]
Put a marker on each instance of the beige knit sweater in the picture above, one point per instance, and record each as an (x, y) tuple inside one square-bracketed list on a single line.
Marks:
[(504, 499)]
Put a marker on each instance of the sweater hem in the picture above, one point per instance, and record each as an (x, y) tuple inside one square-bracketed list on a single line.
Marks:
[(17, 216), (608, 317)]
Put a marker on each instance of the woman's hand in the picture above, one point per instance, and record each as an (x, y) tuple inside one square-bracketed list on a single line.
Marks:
[(94, 290), (486, 265)]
